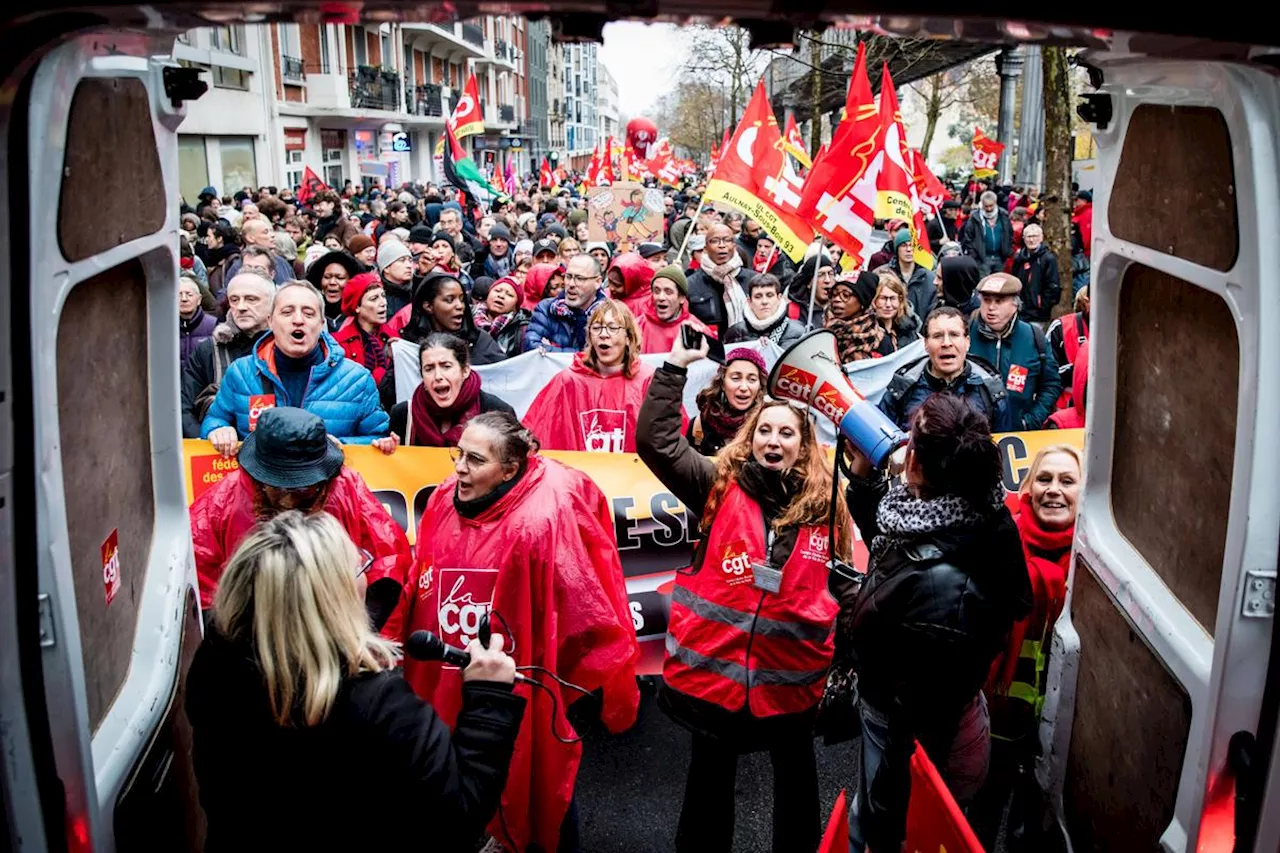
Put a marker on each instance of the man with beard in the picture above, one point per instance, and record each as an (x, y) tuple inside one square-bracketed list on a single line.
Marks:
[(296, 363), (718, 288), (248, 307), (290, 463)]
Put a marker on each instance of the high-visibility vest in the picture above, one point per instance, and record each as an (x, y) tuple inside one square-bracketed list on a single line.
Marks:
[(1017, 708), (733, 644), (1075, 334)]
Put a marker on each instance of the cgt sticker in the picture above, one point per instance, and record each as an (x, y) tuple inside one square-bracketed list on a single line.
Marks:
[(1017, 380), (111, 565)]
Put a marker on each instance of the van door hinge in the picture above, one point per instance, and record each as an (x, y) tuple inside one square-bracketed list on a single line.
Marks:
[(1259, 594), (48, 636)]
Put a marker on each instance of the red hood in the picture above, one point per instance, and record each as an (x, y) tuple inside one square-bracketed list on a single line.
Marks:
[(637, 275), (1080, 378), (535, 283)]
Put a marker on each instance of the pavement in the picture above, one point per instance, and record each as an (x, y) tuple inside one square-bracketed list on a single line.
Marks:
[(630, 787)]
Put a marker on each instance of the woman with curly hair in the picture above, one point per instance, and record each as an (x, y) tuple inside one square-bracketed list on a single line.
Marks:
[(750, 634)]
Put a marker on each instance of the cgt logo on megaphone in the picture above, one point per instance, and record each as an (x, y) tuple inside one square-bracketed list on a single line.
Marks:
[(832, 402), (796, 384)]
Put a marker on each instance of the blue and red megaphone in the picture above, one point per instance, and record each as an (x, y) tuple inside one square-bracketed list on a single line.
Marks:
[(810, 372)]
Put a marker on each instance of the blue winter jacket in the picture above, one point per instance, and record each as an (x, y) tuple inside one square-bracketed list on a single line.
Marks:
[(564, 327), (1022, 358), (978, 385), (340, 391)]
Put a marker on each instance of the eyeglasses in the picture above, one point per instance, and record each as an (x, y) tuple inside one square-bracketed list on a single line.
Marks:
[(570, 278), (720, 241), (472, 460), (611, 328), (366, 561)]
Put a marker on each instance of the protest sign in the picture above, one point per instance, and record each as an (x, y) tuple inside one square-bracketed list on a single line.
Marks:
[(625, 214)]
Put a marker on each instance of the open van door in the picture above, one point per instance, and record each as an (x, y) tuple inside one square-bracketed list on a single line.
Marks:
[(97, 584), (1163, 689)]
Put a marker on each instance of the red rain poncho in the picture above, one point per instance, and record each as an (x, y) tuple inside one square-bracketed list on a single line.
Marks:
[(637, 277), (544, 557), (657, 335), (535, 283), (581, 410), (223, 516)]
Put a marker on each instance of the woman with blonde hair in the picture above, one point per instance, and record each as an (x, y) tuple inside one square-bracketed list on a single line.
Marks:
[(592, 404), (293, 698), (752, 609), (892, 310), (568, 248)]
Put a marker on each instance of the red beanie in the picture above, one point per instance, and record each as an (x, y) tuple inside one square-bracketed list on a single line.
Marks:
[(357, 286)]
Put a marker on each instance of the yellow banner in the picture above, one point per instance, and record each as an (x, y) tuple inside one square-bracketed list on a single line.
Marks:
[(654, 532), (735, 196)]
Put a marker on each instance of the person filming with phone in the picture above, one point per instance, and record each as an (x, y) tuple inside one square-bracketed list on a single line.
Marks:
[(751, 630), (299, 714)]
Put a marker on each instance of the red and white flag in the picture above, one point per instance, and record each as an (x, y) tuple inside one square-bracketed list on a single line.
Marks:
[(547, 178), (839, 198), (986, 154), (794, 144), (929, 189)]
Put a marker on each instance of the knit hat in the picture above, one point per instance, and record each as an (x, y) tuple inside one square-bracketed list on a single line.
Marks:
[(390, 252), (676, 275), (864, 287), (597, 244), (355, 289), (499, 232), (902, 235), (420, 234), (523, 247), (358, 243), (443, 237), (744, 354)]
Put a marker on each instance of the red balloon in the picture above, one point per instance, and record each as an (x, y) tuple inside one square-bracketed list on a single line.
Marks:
[(641, 133)]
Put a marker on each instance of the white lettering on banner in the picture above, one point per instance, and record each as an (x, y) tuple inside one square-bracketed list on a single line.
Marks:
[(637, 615)]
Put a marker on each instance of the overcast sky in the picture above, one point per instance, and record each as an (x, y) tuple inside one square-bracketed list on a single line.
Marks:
[(645, 60)]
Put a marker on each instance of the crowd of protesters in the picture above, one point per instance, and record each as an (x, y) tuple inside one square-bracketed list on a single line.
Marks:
[(292, 312)]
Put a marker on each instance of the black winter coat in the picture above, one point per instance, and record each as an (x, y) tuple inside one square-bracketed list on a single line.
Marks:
[(706, 299), (922, 632), (971, 237), (1038, 272), (378, 773), (199, 372)]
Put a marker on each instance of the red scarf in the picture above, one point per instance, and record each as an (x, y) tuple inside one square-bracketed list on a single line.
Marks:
[(1048, 554), (425, 417)]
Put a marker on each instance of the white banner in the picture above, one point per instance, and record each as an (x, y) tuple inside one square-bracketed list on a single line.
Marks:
[(519, 380)]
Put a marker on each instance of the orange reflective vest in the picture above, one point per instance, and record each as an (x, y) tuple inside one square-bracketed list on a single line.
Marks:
[(730, 642)]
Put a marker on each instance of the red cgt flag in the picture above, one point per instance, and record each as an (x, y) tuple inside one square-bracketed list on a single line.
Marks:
[(840, 192), (755, 177), (931, 191), (794, 144), (546, 178), (311, 184), (986, 154)]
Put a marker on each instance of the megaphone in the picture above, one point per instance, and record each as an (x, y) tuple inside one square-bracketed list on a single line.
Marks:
[(810, 372)]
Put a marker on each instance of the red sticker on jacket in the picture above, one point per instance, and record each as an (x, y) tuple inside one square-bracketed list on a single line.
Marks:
[(259, 403), (463, 597), (111, 565), (603, 430), (1017, 379), (735, 564)]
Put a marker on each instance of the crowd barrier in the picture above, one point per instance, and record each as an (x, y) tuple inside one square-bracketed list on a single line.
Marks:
[(654, 531)]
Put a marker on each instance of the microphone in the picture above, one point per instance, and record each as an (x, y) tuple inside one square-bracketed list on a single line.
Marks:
[(427, 646)]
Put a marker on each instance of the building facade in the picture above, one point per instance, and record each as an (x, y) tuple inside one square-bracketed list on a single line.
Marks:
[(537, 58), (580, 69), (606, 104), (352, 103), (557, 110)]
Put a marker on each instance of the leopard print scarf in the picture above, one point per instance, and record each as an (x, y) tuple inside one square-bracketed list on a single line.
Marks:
[(902, 517)]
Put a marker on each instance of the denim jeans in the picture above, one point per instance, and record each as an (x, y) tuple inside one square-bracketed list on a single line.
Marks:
[(964, 770)]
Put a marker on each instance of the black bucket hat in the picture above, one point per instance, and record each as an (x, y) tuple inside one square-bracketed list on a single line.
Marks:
[(315, 272), (290, 449)]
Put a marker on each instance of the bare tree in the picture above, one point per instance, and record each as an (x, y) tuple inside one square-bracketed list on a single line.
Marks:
[(1055, 201), (723, 55), (939, 92)]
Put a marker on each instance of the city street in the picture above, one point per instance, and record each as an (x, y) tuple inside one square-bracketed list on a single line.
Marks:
[(630, 787)]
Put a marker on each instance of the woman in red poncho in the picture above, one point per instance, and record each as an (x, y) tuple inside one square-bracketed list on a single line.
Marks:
[(533, 541), (628, 278), (543, 281), (1046, 520), (362, 337), (592, 404)]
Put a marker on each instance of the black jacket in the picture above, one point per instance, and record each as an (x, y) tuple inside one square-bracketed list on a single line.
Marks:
[(931, 616), (706, 299), (378, 770), (1038, 272), (971, 237), (199, 371), (488, 403)]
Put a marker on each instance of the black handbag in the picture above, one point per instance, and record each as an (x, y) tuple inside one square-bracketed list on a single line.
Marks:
[(838, 720)]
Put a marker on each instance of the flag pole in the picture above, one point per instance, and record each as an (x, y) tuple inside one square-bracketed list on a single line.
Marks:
[(688, 232), (813, 284)]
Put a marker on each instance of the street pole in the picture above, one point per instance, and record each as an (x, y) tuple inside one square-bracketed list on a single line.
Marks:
[(1031, 128), (1009, 66)]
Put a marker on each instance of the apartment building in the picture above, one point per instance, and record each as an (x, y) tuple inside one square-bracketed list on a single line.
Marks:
[(606, 105), (580, 69), (352, 103)]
